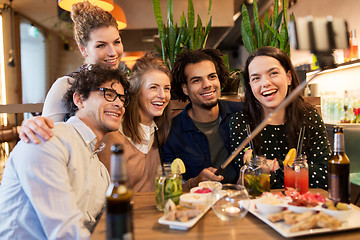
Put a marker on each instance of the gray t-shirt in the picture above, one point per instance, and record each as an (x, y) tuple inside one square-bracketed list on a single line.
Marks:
[(218, 151)]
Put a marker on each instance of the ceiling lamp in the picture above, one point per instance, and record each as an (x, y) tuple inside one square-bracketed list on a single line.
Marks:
[(107, 5), (119, 15), (130, 57)]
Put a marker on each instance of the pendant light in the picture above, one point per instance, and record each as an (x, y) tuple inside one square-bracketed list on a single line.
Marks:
[(119, 15), (107, 5), (130, 57)]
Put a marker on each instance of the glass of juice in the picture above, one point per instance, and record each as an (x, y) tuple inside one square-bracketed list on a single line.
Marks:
[(255, 176), (168, 185), (297, 175)]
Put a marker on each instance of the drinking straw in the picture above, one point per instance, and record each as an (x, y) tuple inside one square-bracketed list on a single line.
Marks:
[(160, 154), (300, 141), (294, 93), (251, 144)]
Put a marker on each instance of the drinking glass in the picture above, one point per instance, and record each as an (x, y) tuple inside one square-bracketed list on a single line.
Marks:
[(168, 185), (255, 176), (232, 202), (297, 175)]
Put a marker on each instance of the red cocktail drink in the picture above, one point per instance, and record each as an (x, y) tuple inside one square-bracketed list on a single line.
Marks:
[(297, 176)]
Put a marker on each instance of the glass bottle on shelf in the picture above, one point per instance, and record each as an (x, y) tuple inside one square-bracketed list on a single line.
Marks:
[(351, 53), (354, 54)]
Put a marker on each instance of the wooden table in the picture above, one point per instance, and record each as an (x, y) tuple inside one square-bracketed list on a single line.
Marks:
[(146, 226)]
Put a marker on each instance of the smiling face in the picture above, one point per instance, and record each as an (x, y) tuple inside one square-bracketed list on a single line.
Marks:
[(203, 85), (268, 81), (154, 95), (99, 114), (104, 46)]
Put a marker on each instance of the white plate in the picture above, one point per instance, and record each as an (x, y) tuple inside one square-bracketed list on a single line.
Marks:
[(183, 225), (189, 224), (352, 223)]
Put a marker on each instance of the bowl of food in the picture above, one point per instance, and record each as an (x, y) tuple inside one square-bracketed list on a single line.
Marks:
[(207, 192), (269, 203), (193, 199), (339, 210), (213, 185)]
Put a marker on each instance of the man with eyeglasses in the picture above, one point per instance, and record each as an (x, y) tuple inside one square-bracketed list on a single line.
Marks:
[(56, 189)]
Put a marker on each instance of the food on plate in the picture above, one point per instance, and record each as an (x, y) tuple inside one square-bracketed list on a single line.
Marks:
[(277, 217), (193, 199), (269, 203), (181, 213), (331, 205), (203, 190), (305, 221), (273, 199), (293, 218), (304, 200), (213, 185)]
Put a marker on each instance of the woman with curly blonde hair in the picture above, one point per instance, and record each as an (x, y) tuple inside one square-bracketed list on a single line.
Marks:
[(99, 41)]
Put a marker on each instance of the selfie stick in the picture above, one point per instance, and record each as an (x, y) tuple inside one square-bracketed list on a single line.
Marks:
[(263, 124)]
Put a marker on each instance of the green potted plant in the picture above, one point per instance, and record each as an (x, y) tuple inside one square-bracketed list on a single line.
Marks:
[(175, 38), (270, 31)]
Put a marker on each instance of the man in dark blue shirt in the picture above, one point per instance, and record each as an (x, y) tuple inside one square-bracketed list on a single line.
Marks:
[(200, 133)]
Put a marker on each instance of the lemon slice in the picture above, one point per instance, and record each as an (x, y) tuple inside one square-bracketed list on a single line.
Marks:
[(290, 157), (178, 166)]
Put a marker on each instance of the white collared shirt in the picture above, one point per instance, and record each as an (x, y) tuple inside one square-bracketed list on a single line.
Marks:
[(53, 190), (149, 135)]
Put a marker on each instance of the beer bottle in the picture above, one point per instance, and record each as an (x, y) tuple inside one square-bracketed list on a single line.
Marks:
[(119, 223), (339, 169)]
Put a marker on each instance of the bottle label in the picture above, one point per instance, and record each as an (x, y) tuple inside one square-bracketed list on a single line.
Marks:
[(339, 142), (334, 190)]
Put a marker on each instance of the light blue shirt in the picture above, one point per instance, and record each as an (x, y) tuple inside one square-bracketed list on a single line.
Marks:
[(53, 190)]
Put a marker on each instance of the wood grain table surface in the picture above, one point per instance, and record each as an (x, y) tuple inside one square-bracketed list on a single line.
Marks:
[(146, 226)]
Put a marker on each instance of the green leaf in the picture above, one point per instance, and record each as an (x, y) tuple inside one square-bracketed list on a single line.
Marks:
[(191, 15), (170, 10), (276, 10), (258, 31), (246, 30), (285, 12), (207, 30), (159, 21), (210, 3), (197, 33)]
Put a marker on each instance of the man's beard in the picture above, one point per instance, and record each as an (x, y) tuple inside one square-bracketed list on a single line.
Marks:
[(209, 105)]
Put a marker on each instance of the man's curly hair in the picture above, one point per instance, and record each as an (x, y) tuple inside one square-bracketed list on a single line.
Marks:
[(88, 79), (191, 57)]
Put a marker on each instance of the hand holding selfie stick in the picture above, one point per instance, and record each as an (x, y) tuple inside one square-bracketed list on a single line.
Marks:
[(294, 94), (320, 36)]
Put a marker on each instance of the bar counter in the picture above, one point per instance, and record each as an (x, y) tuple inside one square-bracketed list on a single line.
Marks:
[(146, 226)]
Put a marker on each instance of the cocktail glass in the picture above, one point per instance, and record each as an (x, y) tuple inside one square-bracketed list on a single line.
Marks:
[(168, 185), (297, 175)]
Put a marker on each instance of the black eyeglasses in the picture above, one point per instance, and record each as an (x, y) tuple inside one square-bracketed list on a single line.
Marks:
[(111, 95)]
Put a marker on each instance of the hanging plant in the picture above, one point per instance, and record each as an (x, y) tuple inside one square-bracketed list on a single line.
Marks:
[(175, 38)]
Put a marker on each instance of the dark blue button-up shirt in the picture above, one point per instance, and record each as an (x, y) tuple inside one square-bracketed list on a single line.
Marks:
[(187, 142)]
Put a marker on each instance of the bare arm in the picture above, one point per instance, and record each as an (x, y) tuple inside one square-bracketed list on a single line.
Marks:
[(36, 127)]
